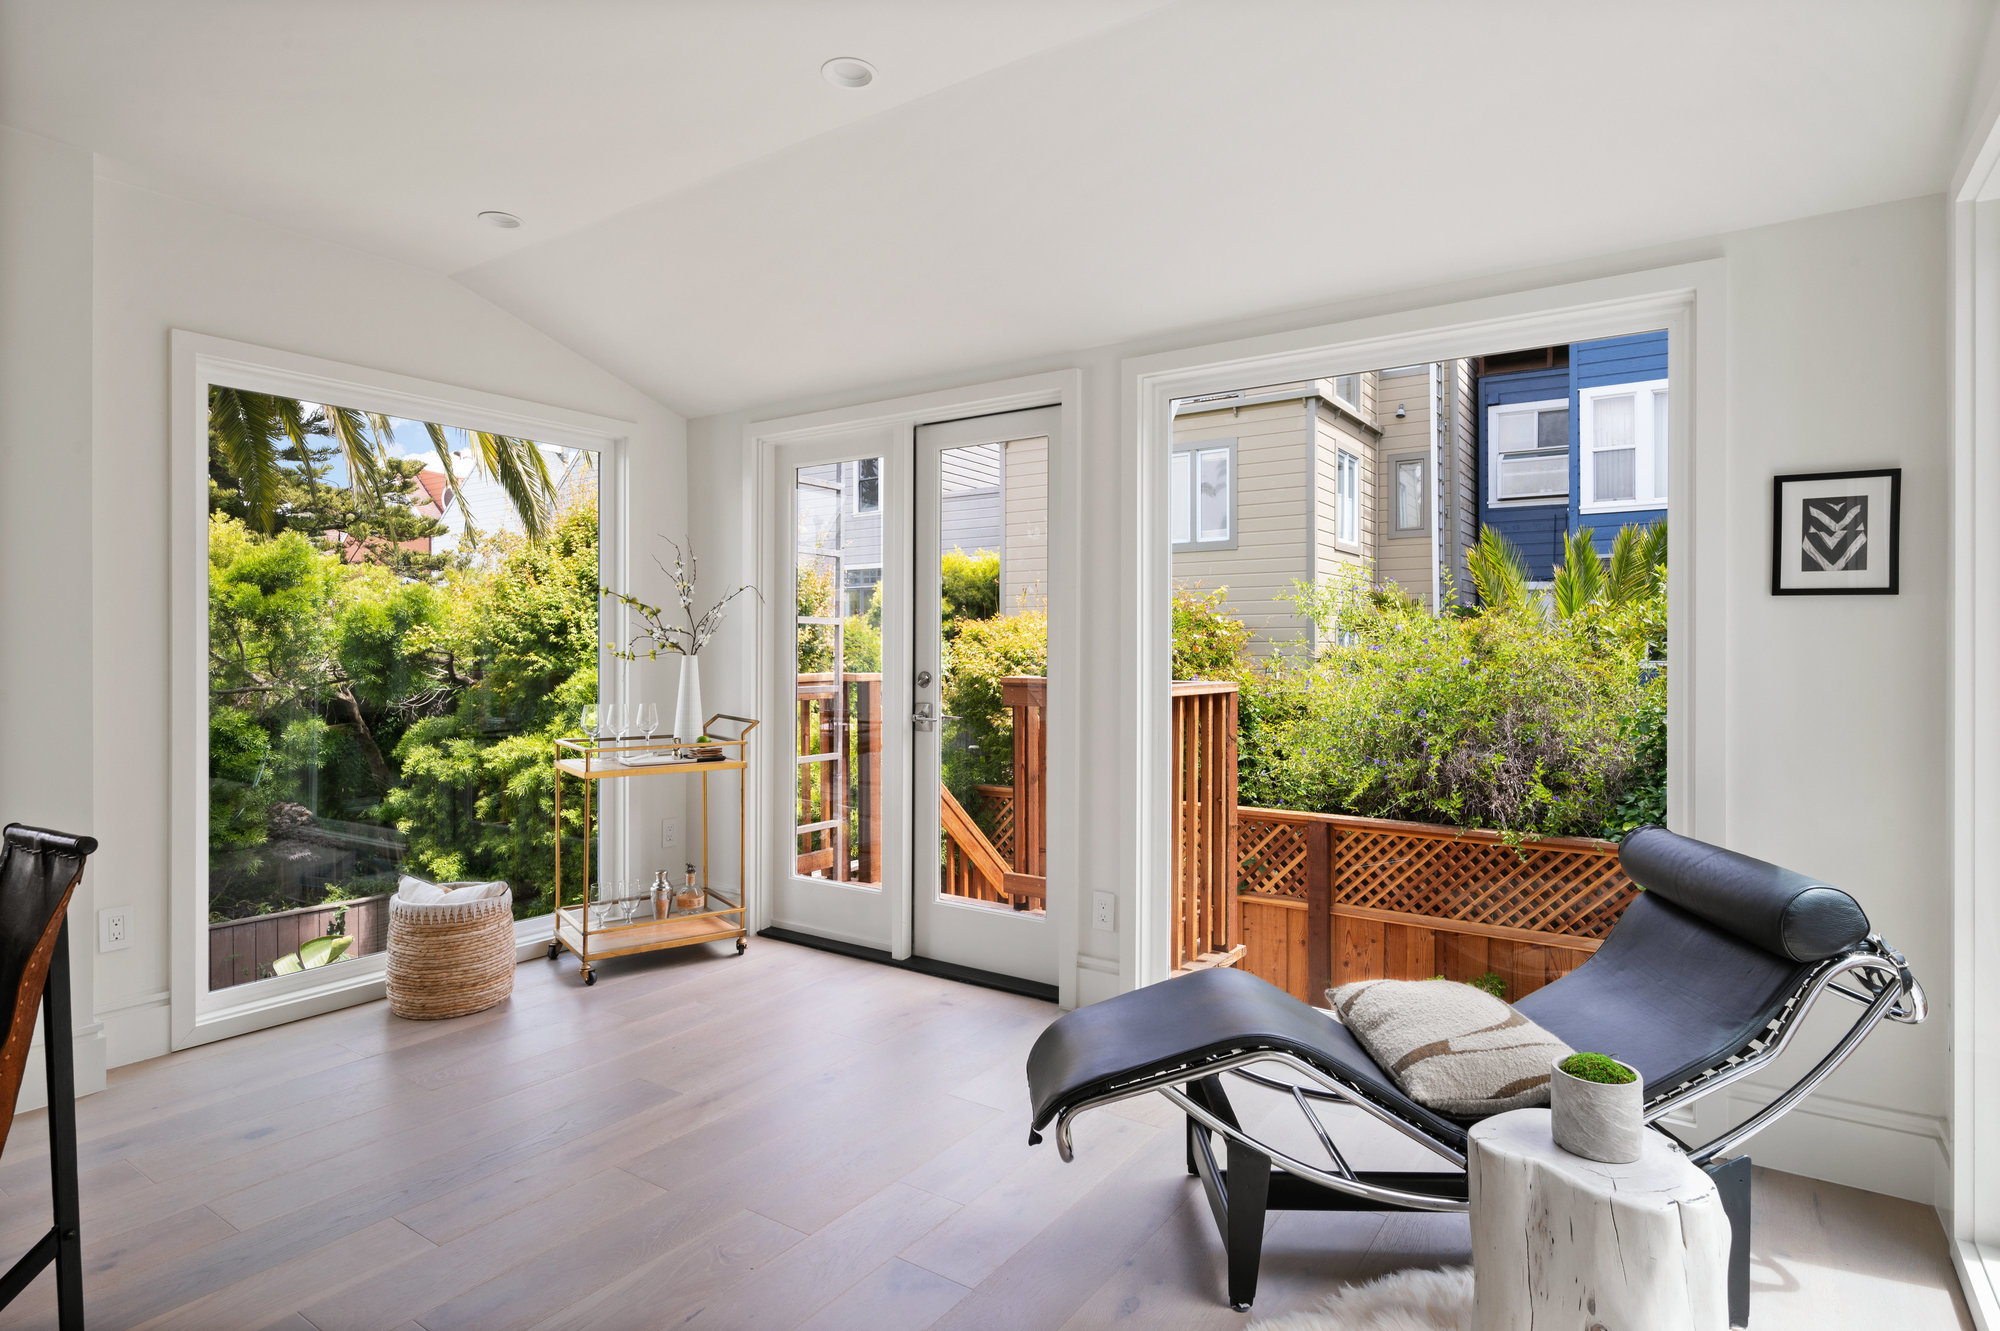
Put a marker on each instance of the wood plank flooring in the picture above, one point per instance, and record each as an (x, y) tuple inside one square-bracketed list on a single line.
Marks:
[(789, 1139)]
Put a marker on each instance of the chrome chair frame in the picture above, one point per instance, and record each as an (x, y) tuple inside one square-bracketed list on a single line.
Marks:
[(1267, 1177)]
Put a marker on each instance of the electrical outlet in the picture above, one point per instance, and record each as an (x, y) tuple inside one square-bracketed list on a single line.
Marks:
[(113, 929), (670, 833), (1102, 908)]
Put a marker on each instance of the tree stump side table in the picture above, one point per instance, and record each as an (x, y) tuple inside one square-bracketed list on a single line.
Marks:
[(1561, 1243)]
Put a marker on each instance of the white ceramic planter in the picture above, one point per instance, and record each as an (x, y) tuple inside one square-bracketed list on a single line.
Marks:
[(1595, 1120), (688, 716)]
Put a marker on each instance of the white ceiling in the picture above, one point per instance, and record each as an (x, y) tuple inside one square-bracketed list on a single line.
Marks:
[(710, 220)]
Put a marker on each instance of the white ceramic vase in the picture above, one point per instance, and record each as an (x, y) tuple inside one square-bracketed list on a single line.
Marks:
[(1596, 1120), (689, 718)]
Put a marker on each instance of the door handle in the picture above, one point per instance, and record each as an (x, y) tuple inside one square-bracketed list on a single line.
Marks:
[(925, 717)]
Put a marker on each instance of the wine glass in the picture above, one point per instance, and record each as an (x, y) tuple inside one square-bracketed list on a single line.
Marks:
[(613, 715), (589, 720), (646, 716)]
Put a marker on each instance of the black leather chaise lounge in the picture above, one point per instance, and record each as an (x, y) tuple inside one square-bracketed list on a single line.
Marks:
[(1704, 981)]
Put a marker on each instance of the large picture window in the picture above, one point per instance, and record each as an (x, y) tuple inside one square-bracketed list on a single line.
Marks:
[(401, 616)]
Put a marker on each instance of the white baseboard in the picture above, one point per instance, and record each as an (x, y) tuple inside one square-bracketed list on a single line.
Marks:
[(1096, 980), (1878, 1148), (88, 1045)]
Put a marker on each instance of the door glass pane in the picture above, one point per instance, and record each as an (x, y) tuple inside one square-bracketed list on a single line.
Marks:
[(1410, 495), (837, 812), (1180, 497), (993, 627), (1214, 499), (382, 696)]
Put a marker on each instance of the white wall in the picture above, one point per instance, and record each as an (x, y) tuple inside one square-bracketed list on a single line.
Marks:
[(46, 520), (1835, 758), (162, 263)]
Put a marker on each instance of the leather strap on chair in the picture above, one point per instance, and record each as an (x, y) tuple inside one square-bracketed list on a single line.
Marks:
[(39, 871)]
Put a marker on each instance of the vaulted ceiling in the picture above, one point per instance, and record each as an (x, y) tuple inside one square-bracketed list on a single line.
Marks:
[(708, 218)]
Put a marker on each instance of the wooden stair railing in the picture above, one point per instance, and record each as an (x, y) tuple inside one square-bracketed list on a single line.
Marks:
[(974, 869), (1205, 922)]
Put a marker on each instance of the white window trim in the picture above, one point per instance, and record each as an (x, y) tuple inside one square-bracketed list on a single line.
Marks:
[(1342, 455), (197, 1015), (1423, 527), (1493, 414), (1194, 479), (1642, 437)]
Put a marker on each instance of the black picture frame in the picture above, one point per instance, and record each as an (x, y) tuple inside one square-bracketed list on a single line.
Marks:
[(1779, 548)]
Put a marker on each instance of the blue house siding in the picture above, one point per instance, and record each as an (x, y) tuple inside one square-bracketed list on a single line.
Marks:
[(1537, 530), (1601, 364)]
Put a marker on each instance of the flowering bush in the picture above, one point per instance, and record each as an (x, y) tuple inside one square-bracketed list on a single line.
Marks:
[(1512, 719)]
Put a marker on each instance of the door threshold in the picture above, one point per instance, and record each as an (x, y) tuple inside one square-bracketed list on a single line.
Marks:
[(943, 970)]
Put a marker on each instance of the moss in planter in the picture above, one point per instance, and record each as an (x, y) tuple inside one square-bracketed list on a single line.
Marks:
[(1598, 1068)]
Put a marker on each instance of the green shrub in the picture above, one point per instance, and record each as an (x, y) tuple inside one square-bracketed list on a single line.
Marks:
[(980, 745), (1208, 640), (1491, 983), (1597, 1068), (970, 588), (1510, 719)]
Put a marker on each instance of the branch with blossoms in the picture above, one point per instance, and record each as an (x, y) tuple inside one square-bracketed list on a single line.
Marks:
[(657, 635)]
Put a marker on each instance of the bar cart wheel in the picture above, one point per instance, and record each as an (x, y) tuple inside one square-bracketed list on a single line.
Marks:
[(589, 978), (741, 946), (555, 949)]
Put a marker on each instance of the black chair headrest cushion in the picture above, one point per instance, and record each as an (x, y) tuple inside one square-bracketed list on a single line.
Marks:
[(1776, 909), (42, 841)]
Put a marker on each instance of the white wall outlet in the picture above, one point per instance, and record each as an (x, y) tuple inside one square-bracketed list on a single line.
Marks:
[(670, 833), (114, 929), (1103, 911)]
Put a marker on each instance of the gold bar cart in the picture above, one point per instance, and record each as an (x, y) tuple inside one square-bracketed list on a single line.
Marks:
[(722, 917)]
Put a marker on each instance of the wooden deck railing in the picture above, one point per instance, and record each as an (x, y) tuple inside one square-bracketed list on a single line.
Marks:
[(240, 951), (1204, 923), (1328, 898), (839, 733)]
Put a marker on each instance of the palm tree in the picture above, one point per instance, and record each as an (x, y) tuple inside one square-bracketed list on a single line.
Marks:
[(1636, 569), (256, 432)]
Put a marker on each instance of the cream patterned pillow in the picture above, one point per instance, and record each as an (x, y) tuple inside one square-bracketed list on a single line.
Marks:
[(1452, 1048)]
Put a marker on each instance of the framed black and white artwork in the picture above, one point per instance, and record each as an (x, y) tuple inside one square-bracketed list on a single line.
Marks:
[(1836, 533)]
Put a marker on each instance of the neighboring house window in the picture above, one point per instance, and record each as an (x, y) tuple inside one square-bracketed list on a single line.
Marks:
[(1347, 387), (1529, 446), (1347, 493), (868, 485), (1409, 496), (860, 588), (1201, 500), (1622, 463)]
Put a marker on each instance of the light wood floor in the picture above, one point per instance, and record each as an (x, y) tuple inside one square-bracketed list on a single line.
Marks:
[(788, 1139)]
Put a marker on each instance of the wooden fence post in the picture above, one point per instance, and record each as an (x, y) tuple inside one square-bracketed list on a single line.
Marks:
[(1319, 911)]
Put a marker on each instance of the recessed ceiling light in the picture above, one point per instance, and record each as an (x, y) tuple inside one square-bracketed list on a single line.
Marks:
[(505, 221), (846, 71)]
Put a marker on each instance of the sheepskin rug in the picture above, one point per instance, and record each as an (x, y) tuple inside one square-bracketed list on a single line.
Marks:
[(1417, 1300)]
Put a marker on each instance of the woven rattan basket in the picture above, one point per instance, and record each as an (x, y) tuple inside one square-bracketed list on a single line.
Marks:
[(450, 960)]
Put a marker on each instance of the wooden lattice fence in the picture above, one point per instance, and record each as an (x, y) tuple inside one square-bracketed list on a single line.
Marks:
[(1328, 898)]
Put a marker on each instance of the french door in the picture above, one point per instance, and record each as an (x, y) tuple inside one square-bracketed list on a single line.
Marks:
[(912, 643)]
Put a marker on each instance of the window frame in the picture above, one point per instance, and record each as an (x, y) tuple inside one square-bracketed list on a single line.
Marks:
[(1346, 468), (847, 569), (855, 506), (1396, 462), (1196, 447), (1644, 461), (196, 1014), (1493, 454)]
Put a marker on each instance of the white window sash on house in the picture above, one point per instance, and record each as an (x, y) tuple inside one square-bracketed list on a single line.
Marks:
[(867, 485), (1526, 467), (1622, 453), (1201, 495), (1409, 489), (1347, 484)]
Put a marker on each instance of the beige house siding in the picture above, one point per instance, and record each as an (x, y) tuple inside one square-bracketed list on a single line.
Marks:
[(1273, 495), (1462, 473), (1024, 558), (1339, 432), (1403, 560)]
